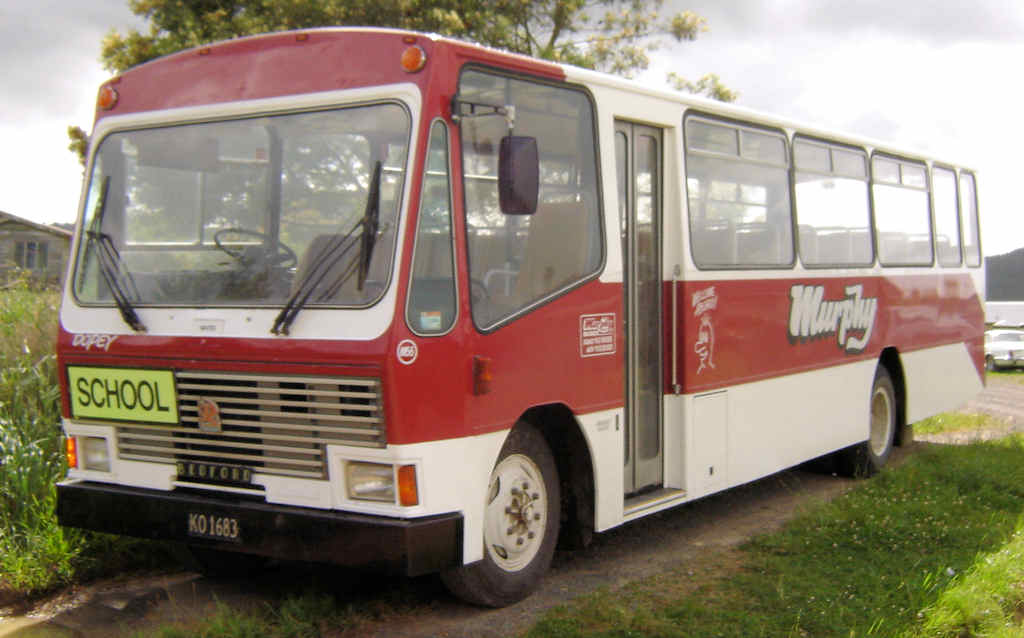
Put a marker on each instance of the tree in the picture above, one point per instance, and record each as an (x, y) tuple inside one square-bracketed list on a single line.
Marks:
[(709, 84), (79, 142), (608, 35)]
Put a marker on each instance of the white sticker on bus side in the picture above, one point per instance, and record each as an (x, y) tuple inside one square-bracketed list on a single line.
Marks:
[(597, 334)]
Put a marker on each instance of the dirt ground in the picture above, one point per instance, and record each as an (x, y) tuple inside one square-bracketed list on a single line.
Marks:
[(695, 538)]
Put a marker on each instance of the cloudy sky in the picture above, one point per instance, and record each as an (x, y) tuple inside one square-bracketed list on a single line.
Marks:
[(938, 75)]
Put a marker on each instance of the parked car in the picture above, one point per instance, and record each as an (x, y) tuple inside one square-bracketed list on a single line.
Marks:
[(1004, 349)]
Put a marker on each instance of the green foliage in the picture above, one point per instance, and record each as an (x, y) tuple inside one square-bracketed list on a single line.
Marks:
[(78, 143), (866, 564), (709, 85), (35, 552)]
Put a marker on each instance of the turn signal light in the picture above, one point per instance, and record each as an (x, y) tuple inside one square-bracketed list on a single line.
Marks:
[(71, 451), (408, 493), (414, 58)]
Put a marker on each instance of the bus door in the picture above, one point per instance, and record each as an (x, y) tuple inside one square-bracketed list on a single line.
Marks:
[(639, 172)]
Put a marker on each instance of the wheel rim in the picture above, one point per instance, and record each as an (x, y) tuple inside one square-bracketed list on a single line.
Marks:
[(517, 513), (881, 421)]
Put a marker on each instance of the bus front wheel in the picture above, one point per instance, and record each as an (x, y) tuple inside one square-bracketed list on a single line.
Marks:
[(520, 524), (867, 458)]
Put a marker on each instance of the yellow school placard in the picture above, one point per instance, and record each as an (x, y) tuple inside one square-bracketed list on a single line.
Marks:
[(123, 394)]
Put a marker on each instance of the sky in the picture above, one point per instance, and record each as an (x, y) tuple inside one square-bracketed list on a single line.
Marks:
[(923, 74)]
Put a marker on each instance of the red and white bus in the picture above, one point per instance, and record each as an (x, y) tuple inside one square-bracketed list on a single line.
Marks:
[(374, 297)]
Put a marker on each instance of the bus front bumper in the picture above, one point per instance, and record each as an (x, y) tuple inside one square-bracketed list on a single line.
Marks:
[(416, 546)]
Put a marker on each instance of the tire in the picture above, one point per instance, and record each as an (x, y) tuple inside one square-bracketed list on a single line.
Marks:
[(521, 523), (867, 458)]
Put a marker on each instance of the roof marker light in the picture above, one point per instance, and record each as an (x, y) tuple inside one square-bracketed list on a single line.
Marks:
[(107, 98), (414, 58)]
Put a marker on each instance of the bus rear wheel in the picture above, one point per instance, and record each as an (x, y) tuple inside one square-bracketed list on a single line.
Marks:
[(521, 522), (867, 458)]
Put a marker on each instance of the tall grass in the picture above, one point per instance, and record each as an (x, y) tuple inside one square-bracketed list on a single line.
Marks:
[(34, 552)]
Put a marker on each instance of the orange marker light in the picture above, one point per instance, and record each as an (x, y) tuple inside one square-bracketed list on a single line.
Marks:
[(408, 493), (482, 375), (414, 58), (107, 98), (71, 451)]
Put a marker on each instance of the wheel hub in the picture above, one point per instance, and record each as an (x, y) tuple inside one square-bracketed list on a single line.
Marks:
[(516, 513)]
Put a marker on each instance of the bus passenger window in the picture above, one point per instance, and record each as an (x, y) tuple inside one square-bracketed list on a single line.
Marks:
[(737, 183), (969, 210), (947, 217), (832, 206), (902, 220)]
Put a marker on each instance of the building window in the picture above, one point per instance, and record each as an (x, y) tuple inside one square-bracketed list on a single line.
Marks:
[(30, 255)]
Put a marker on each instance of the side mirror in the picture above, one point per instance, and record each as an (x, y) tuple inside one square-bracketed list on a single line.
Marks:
[(518, 175)]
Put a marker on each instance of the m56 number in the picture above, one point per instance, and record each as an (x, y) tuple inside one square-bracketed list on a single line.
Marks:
[(222, 528)]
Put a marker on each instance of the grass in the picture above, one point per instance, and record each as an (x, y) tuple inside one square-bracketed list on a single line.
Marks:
[(987, 601), (309, 616), (955, 422), (874, 562), (37, 554)]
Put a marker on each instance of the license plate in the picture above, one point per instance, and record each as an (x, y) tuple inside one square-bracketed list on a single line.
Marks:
[(214, 527), (123, 394)]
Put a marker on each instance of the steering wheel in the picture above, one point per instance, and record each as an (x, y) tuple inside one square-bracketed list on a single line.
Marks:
[(279, 255)]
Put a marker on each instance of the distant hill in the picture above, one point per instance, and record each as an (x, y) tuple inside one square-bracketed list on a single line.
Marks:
[(1004, 277)]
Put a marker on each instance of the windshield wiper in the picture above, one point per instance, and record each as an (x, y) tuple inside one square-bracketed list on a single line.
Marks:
[(332, 255), (371, 222), (110, 264)]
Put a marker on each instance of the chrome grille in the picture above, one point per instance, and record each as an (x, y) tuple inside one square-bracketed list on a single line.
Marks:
[(274, 424)]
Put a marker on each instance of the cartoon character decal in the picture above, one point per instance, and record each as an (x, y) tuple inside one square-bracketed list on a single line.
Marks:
[(703, 303)]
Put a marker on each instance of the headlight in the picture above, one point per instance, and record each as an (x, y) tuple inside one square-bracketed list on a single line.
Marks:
[(93, 454), (370, 481)]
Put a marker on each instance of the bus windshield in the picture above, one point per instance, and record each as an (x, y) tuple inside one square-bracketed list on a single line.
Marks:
[(246, 212)]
